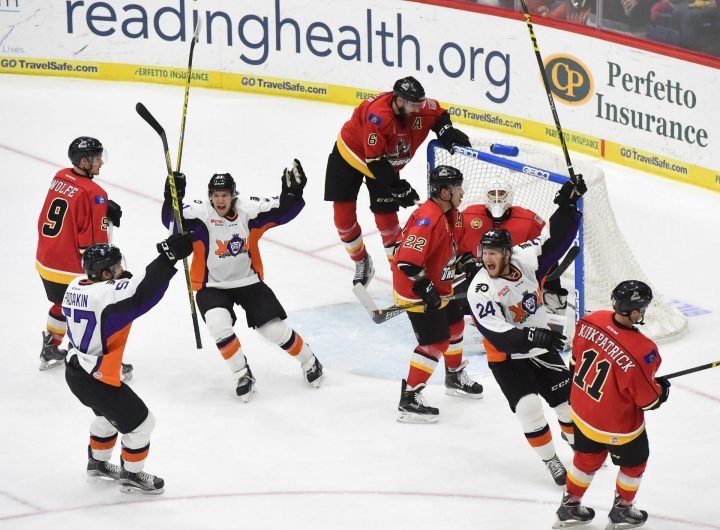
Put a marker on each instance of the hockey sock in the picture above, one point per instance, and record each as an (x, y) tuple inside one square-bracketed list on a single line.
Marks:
[(350, 232), (566, 426), (537, 432), (454, 354), (299, 349), (102, 438), (56, 324), (423, 362), (136, 445), (231, 351), (628, 481), (582, 471), (389, 227)]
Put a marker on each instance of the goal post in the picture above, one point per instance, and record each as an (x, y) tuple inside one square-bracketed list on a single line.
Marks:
[(535, 173)]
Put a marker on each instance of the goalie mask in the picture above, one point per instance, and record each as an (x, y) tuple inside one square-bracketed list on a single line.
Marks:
[(631, 295), (101, 257), (498, 198)]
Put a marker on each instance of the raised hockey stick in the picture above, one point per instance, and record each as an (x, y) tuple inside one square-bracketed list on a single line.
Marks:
[(380, 315), (546, 83), (150, 119), (564, 264), (195, 38), (692, 370)]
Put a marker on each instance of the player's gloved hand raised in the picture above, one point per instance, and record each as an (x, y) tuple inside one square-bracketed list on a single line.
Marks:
[(404, 194), (294, 180), (176, 247), (548, 339), (468, 265), (426, 290), (180, 183), (114, 212), (450, 137), (569, 194)]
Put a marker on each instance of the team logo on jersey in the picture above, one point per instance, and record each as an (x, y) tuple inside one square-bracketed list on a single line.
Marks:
[(99, 199), (526, 307), (401, 155), (476, 223), (230, 248), (374, 118), (482, 287), (650, 357), (530, 303), (422, 222)]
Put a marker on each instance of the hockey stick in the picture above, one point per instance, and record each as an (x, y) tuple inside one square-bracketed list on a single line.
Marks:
[(150, 119), (564, 264), (380, 315), (692, 370), (546, 83), (195, 38)]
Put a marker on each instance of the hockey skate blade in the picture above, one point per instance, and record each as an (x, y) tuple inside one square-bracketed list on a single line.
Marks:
[(460, 394), (100, 479), (410, 417), (317, 382), (622, 526), (569, 524), (246, 398), (49, 365), (134, 490)]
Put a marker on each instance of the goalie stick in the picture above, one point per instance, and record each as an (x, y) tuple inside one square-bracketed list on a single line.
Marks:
[(380, 315), (150, 119), (564, 264)]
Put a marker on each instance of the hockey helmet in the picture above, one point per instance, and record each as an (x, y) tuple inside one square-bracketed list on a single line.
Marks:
[(631, 295), (222, 182), (410, 89), (84, 147), (498, 198), (100, 257), (443, 177), (496, 239)]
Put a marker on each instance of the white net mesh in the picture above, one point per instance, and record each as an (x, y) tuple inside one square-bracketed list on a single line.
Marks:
[(607, 258)]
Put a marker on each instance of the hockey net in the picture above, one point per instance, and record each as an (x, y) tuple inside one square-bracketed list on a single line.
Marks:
[(605, 259)]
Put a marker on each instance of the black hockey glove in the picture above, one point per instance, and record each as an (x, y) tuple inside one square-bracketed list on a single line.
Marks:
[(468, 265), (114, 212), (294, 180), (450, 137), (425, 289), (404, 194), (548, 339), (126, 275), (176, 247), (665, 391), (569, 194), (180, 183)]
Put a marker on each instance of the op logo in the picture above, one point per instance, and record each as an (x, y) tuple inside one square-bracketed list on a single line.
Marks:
[(570, 80), (231, 247)]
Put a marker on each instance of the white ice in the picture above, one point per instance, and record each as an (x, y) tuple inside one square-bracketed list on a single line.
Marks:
[(297, 457)]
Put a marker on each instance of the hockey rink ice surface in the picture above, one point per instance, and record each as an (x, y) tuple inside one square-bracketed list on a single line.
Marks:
[(297, 457)]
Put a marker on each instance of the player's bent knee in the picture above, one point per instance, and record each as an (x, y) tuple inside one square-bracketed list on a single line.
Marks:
[(276, 331), (530, 413), (140, 435), (219, 323), (563, 411)]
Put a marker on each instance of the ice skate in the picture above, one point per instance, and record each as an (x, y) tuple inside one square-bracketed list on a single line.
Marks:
[(245, 387), (314, 375), (458, 384), (51, 355), (99, 469), (625, 516), (572, 513), (364, 271), (413, 408), (140, 482), (557, 470)]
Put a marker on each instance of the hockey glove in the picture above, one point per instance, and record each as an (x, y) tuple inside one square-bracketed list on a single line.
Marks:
[(180, 183), (425, 289), (468, 265), (550, 340), (569, 194), (665, 388), (114, 212), (450, 137), (176, 247), (294, 180), (404, 194)]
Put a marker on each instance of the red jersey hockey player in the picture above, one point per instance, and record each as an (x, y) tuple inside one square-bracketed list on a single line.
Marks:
[(614, 384), (76, 214), (374, 145), (423, 271)]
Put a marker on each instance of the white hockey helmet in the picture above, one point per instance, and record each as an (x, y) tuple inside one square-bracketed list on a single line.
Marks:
[(498, 197)]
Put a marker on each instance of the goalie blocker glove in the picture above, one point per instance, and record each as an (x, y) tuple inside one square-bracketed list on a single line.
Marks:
[(569, 194), (176, 247), (294, 180), (550, 340), (404, 194)]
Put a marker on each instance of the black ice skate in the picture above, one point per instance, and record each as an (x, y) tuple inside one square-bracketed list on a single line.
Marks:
[(98, 469), (572, 513), (126, 373), (364, 271), (557, 470), (413, 408), (458, 384), (50, 355), (245, 387), (314, 374), (624, 516), (140, 482)]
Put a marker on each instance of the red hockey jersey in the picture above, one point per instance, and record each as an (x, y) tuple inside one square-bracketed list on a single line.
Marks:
[(523, 225), (375, 131), (72, 218), (613, 380)]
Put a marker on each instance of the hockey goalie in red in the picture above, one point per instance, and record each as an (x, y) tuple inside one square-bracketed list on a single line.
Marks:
[(613, 385)]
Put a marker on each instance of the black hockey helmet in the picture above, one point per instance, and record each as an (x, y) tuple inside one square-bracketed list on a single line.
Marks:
[(410, 89), (443, 177), (100, 257), (222, 182), (631, 295), (84, 147), (496, 239)]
